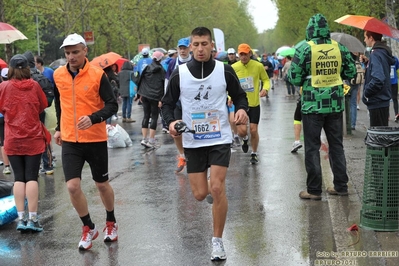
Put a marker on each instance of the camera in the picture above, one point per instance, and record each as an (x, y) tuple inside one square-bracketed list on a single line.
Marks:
[(181, 127)]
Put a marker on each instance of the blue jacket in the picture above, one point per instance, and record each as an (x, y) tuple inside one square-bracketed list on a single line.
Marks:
[(394, 73), (142, 63), (377, 84)]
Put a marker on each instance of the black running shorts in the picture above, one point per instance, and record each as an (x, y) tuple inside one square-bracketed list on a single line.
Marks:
[(200, 159), (254, 114), (74, 155), (298, 112)]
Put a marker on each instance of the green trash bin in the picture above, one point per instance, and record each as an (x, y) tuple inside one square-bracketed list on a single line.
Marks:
[(380, 206)]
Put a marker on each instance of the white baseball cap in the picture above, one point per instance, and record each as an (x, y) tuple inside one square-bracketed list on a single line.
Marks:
[(145, 51), (73, 39), (231, 51), (172, 51), (4, 72)]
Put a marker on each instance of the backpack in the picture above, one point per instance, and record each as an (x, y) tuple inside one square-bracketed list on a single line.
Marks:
[(46, 85), (359, 77)]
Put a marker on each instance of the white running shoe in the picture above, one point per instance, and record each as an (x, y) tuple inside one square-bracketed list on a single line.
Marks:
[(7, 170), (111, 232), (218, 252), (88, 235), (143, 142), (296, 146)]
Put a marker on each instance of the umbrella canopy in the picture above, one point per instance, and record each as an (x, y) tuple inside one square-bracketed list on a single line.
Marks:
[(222, 56), (57, 63), (9, 33), (282, 48), (353, 44), (120, 62), (369, 24), (160, 49), (3, 64), (105, 60), (288, 52), (138, 56)]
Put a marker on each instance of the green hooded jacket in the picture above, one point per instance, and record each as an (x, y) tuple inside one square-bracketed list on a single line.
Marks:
[(323, 100)]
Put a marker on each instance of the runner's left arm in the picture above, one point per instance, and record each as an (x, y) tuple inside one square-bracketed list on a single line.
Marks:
[(234, 89)]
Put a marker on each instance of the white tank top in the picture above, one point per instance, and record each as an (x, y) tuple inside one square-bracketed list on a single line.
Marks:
[(204, 108)]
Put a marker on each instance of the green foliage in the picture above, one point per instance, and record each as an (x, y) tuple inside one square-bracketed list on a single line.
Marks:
[(120, 26)]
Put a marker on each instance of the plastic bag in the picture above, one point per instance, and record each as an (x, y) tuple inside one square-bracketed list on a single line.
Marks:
[(5, 188), (8, 210), (125, 136), (118, 137), (382, 137)]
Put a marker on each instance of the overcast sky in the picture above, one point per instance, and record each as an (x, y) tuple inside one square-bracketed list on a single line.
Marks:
[(264, 13)]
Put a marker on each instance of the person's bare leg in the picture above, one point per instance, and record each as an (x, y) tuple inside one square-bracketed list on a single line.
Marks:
[(179, 144), (254, 137), (297, 131), (220, 204), (78, 199), (242, 130), (5, 157), (144, 132), (152, 133), (199, 185), (107, 195), (19, 195), (32, 194)]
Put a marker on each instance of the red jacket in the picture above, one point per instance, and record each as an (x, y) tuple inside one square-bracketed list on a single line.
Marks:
[(21, 102)]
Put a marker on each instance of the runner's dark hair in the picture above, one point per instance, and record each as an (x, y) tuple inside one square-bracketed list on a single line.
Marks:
[(201, 31)]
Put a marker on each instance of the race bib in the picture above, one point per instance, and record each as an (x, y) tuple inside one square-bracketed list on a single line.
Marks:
[(206, 125), (247, 84)]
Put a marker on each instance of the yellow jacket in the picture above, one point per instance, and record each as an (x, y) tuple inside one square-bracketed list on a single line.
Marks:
[(249, 76)]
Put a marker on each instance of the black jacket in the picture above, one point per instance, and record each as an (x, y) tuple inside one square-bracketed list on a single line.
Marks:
[(151, 82)]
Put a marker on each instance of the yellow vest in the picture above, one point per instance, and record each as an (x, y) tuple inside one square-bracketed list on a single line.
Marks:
[(325, 65)]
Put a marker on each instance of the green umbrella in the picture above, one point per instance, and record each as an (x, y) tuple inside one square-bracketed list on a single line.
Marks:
[(288, 52), (291, 51), (138, 56)]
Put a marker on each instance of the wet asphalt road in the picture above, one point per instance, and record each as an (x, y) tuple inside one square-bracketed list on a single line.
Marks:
[(160, 223)]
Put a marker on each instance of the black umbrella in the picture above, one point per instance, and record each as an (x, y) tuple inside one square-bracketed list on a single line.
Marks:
[(353, 44)]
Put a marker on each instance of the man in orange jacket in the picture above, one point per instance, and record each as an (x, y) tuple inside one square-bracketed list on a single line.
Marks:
[(86, 99)]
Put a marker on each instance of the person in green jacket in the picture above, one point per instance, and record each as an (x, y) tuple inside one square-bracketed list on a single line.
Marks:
[(319, 66)]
